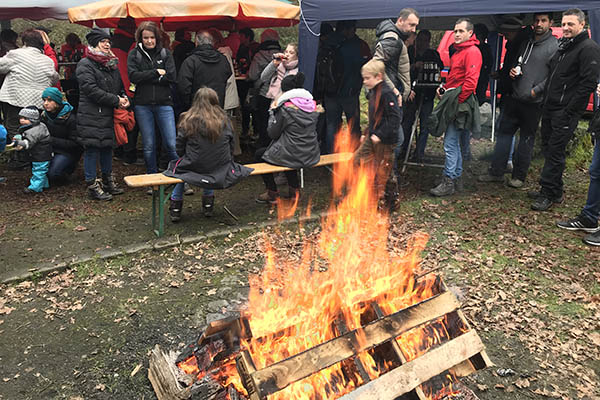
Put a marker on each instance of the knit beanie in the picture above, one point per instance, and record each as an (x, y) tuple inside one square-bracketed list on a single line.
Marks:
[(31, 113), (269, 34), (54, 94), (95, 36)]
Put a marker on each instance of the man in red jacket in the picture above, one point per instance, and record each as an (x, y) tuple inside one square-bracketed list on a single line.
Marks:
[(465, 65)]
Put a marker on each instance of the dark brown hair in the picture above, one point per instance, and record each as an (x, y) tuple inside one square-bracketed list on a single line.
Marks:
[(152, 27), (205, 117), (32, 38)]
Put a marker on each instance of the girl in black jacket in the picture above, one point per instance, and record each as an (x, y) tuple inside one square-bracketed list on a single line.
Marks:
[(151, 70), (101, 91), (205, 147)]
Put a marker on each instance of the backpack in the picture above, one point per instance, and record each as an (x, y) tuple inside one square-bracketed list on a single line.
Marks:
[(329, 71)]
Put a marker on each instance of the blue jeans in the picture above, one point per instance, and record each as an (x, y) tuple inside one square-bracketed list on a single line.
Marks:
[(177, 193), (452, 143), (90, 161), (39, 179), (334, 107), (592, 206), (61, 166), (147, 116), (465, 144)]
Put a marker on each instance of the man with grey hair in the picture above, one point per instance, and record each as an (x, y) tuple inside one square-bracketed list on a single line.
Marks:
[(574, 73), (205, 67)]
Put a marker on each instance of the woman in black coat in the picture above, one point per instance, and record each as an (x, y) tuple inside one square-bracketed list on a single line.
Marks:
[(152, 70), (101, 91), (205, 147)]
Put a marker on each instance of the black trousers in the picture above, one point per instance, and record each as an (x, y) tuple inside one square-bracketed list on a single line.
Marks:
[(516, 115), (269, 179), (557, 130), (261, 117)]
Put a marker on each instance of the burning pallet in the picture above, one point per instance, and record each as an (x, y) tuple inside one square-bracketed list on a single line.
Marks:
[(459, 356)]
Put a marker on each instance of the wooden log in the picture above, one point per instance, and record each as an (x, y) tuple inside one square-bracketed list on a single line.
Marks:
[(245, 367), (410, 375), (279, 375), (163, 376)]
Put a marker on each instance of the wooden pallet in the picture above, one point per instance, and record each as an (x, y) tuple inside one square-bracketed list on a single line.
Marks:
[(461, 355)]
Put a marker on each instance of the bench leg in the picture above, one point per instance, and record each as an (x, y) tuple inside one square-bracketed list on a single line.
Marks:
[(158, 207), (302, 178)]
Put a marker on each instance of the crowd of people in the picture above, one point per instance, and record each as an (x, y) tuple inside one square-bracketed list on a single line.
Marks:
[(177, 97)]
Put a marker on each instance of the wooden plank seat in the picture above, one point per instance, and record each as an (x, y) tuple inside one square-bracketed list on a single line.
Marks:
[(158, 182)]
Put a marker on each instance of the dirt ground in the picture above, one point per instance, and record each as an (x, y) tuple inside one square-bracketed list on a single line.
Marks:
[(531, 290)]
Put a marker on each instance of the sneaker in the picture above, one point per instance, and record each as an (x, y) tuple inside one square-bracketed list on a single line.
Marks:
[(268, 197), (490, 178), (515, 183), (578, 223), (188, 190), (175, 210), (593, 239), (445, 188), (542, 203), (110, 186), (95, 191)]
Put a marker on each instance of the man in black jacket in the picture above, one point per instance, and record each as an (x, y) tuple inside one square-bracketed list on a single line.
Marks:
[(205, 67), (574, 72)]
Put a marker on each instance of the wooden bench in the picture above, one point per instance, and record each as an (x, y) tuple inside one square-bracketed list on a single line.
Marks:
[(158, 182)]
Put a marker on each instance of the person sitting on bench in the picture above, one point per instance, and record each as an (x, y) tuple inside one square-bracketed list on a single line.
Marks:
[(293, 130), (205, 146)]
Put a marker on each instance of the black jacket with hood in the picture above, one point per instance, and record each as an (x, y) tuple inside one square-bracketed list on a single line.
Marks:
[(205, 67), (151, 88), (206, 164), (294, 133), (384, 114), (63, 131), (574, 73), (391, 50)]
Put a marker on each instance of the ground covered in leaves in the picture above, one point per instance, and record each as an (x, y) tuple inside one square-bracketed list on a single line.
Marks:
[(532, 291)]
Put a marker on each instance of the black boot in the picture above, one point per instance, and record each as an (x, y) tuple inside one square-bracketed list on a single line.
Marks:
[(175, 210), (109, 185), (208, 203), (95, 191)]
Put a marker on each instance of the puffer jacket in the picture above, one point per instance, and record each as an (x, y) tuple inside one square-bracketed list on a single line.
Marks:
[(28, 72), (206, 164), (63, 131), (151, 88), (99, 90), (260, 62), (293, 128), (574, 73), (391, 50), (38, 143), (204, 67)]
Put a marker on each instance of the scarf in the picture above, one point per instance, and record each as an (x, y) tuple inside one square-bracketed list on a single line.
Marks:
[(108, 61), (284, 69)]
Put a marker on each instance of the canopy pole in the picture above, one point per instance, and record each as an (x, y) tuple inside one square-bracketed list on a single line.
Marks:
[(499, 41)]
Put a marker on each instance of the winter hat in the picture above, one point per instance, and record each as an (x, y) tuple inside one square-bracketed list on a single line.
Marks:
[(54, 94), (510, 24), (31, 113), (269, 34), (95, 36), (292, 82)]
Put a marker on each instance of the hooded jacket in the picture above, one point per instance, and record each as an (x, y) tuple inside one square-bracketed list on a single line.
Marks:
[(465, 66), (151, 88), (384, 114), (204, 67), (293, 128), (391, 50), (206, 164), (63, 131), (259, 63), (574, 72), (38, 142), (535, 66)]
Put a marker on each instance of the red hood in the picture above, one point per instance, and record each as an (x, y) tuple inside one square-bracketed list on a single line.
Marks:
[(468, 43)]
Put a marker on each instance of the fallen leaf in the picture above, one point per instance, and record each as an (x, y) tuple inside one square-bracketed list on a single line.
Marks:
[(522, 383), (101, 387), (80, 228)]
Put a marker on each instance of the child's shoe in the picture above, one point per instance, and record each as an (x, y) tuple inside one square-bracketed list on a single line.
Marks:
[(95, 191), (175, 210), (208, 203), (109, 185)]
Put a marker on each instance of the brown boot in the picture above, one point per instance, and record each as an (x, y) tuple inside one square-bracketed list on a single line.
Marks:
[(268, 197)]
